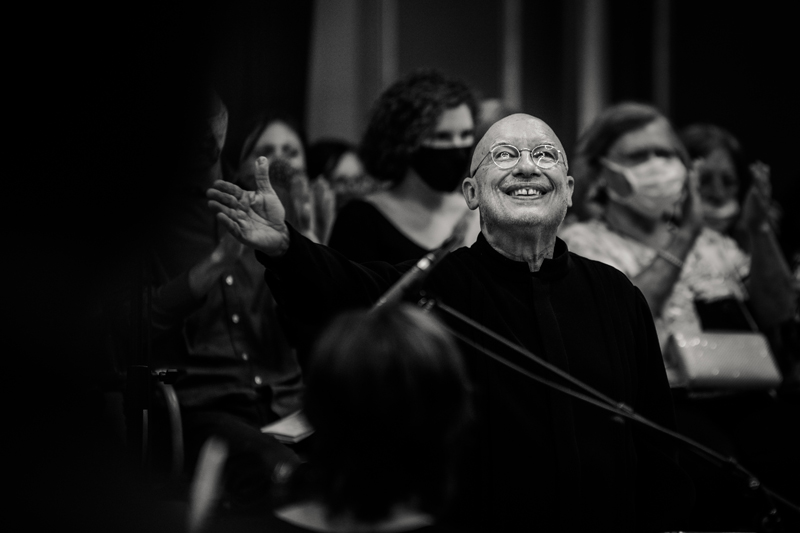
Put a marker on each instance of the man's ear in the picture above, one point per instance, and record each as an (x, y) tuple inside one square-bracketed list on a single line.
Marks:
[(571, 186), (470, 192)]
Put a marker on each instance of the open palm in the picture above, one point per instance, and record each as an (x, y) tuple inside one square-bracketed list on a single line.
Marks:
[(255, 218)]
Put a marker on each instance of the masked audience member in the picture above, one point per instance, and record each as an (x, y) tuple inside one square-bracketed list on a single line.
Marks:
[(732, 194), (728, 185), (695, 279), (213, 318), (418, 140), (652, 227)]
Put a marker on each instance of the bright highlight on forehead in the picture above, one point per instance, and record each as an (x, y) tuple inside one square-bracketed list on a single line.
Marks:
[(520, 130)]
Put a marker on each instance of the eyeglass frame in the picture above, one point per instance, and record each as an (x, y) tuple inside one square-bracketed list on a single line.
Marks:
[(520, 150)]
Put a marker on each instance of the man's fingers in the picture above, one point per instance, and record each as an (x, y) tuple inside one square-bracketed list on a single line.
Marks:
[(222, 199), (225, 187), (220, 208), (262, 175)]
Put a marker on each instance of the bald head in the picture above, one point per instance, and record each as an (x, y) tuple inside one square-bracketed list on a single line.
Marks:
[(517, 129)]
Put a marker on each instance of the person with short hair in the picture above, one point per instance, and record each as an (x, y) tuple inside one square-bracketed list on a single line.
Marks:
[(388, 397)]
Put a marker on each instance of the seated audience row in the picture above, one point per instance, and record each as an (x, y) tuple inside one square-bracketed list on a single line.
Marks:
[(684, 219)]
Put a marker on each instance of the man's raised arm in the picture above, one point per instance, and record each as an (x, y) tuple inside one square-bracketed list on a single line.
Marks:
[(255, 218)]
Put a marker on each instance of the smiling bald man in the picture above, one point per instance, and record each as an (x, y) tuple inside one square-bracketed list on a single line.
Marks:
[(539, 460)]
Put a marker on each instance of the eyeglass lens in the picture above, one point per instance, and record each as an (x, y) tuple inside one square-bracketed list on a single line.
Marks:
[(506, 156)]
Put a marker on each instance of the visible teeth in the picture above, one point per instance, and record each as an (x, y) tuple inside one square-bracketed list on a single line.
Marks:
[(526, 192)]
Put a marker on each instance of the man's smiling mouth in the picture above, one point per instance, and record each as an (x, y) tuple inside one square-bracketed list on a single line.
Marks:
[(527, 191)]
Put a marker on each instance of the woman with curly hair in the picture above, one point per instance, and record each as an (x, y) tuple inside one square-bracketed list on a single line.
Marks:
[(418, 142)]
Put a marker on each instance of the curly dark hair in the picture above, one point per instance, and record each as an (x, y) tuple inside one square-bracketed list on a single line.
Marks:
[(404, 115)]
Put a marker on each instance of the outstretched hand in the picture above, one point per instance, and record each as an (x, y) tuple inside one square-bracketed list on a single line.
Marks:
[(254, 218)]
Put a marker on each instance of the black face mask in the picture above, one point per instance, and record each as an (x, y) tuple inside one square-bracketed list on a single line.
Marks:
[(441, 168)]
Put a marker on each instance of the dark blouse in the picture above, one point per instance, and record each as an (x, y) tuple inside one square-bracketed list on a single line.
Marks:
[(362, 233), (540, 461)]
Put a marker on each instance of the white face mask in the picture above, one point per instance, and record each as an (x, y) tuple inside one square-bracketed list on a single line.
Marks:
[(656, 185), (721, 217)]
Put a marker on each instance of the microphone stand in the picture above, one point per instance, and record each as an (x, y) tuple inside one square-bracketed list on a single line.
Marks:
[(590, 395)]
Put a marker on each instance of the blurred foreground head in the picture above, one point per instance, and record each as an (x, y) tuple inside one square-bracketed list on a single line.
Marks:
[(387, 394)]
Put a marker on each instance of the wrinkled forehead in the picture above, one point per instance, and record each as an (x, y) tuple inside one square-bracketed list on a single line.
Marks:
[(520, 130)]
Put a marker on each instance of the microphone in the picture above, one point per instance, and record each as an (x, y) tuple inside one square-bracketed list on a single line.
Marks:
[(417, 274)]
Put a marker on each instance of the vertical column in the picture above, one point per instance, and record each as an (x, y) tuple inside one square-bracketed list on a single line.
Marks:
[(332, 79), (661, 55), (592, 76), (512, 53), (389, 55)]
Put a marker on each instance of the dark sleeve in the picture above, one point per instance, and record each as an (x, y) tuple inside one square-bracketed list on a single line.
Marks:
[(354, 232), (312, 283), (664, 492)]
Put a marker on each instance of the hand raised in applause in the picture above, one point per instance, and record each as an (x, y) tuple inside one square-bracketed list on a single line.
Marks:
[(204, 274), (691, 222), (758, 207), (255, 218)]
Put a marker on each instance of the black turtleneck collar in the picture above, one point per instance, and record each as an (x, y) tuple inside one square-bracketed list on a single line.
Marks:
[(551, 269)]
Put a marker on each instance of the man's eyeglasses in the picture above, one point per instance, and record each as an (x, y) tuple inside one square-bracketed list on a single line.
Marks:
[(507, 156)]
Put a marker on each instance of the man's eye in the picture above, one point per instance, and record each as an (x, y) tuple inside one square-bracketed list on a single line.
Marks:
[(503, 154), (545, 155)]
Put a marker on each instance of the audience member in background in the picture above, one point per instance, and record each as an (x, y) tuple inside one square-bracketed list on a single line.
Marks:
[(651, 226), (337, 161), (213, 317), (334, 164), (637, 175), (731, 191), (419, 140), (281, 139), (728, 186)]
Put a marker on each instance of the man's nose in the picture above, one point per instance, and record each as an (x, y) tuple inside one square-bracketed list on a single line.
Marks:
[(525, 166)]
